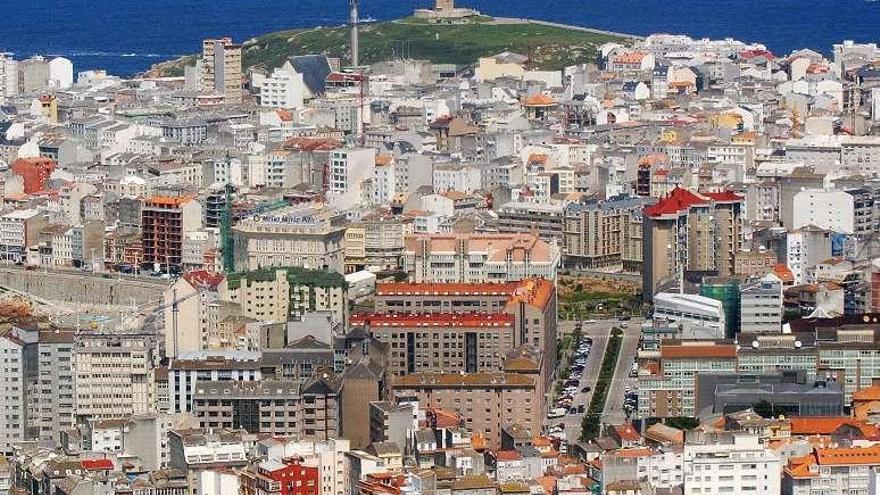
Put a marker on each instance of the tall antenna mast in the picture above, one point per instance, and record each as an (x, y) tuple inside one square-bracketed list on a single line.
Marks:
[(353, 22)]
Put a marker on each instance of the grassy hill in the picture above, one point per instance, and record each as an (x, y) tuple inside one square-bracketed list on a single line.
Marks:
[(550, 47)]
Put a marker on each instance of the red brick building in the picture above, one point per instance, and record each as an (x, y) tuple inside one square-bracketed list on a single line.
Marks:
[(35, 172), (285, 477)]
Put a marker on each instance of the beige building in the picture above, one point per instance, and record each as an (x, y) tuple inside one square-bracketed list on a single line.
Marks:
[(187, 311), (296, 237), (305, 410), (486, 401), (479, 257), (532, 304), (604, 234), (442, 342), (375, 241), (221, 68), (282, 294), (114, 374)]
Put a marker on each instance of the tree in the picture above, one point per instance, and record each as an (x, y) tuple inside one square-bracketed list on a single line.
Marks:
[(682, 422), (764, 409), (590, 427)]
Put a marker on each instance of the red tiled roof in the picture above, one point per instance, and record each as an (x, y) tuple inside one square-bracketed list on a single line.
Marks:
[(203, 279), (848, 456), (507, 455), (677, 201), (870, 393), (627, 432), (826, 425), (310, 144), (97, 464), (750, 54), (725, 196)]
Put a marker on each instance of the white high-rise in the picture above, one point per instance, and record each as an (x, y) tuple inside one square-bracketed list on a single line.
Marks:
[(284, 88), (8, 76)]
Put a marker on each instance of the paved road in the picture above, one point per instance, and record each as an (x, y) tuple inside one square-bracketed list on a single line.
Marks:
[(614, 413), (599, 332), (519, 20)]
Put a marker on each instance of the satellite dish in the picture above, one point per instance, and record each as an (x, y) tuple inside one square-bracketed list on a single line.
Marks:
[(755, 344), (798, 344)]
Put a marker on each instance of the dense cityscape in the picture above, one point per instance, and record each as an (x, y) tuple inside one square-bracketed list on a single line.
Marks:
[(656, 272)]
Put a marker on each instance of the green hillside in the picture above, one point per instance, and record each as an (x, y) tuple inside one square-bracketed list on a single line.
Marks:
[(550, 47)]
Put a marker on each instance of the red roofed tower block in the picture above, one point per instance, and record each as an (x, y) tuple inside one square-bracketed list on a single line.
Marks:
[(690, 233)]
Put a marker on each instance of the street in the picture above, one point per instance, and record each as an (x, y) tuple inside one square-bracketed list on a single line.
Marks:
[(614, 413), (599, 332)]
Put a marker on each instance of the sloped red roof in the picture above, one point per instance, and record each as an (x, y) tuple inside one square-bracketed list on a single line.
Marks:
[(725, 196), (678, 200), (826, 425), (203, 279), (97, 464)]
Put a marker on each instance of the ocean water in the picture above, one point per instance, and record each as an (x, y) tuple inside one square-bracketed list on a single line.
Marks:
[(127, 36)]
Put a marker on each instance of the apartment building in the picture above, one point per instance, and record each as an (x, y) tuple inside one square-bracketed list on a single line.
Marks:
[(687, 232), (486, 401), (375, 241), (806, 247), (442, 342), (531, 302), (294, 237), (761, 305), (189, 370), (829, 210), (832, 471), (438, 258), (329, 456), (305, 410), (603, 234), (287, 476), (775, 352), (284, 294), (164, 220), (284, 88), (730, 463), (221, 68), (114, 374), (672, 392), (188, 304), (19, 230)]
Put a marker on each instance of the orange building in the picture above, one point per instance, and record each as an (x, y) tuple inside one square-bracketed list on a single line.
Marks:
[(35, 172)]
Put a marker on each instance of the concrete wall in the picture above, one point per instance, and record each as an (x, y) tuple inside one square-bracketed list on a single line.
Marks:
[(83, 288)]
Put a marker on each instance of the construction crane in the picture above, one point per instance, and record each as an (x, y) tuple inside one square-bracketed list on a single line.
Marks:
[(226, 231)]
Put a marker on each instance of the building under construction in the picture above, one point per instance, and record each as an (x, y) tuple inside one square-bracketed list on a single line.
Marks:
[(164, 219)]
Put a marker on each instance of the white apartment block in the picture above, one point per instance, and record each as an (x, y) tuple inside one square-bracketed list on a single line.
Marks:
[(830, 210), (12, 392), (761, 305), (284, 88), (185, 372), (8, 76), (349, 168), (732, 464)]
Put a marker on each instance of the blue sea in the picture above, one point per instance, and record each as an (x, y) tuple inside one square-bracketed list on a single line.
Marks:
[(127, 36)]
